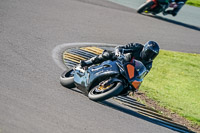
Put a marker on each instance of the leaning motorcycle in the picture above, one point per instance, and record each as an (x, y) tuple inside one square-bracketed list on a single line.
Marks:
[(156, 6), (110, 78)]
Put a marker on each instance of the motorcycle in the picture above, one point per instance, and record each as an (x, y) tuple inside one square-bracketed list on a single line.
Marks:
[(156, 6), (110, 78)]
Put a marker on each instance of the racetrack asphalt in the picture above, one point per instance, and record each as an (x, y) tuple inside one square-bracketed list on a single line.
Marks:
[(188, 15), (31, 97)]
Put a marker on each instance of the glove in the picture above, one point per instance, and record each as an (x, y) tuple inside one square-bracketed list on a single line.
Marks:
[(121, 57), (117, 52)]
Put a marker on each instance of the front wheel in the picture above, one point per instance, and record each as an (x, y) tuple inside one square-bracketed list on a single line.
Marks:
[(145, 6), (101, 92), (67, 79)]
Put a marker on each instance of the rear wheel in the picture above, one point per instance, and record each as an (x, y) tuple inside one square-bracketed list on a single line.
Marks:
[(102, 92), (67, 79), (145, 6)]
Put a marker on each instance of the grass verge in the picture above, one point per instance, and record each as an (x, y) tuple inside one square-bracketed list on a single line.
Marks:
[(193, 3), (174, 82)]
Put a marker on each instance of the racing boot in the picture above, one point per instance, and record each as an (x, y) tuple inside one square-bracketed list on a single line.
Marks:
[(91, 61), (175, 10), (168, 12), (97, 59), (85, 63)]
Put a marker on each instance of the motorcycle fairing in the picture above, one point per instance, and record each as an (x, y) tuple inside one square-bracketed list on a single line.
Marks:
[(131, 70), (163, 1), (133, 75), (136, 84), (94, 75), (155, 5)]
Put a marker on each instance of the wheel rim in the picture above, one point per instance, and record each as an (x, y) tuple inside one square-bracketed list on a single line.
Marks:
[(101, 88)]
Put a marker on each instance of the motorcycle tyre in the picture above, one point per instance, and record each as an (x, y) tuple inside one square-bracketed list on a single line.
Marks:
[(108, 94), (145, 6), (67, 80)]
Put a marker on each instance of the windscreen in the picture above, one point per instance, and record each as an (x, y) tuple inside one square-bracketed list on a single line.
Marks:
[(140, 69)]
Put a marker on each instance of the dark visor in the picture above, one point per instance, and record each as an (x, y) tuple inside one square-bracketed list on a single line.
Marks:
[(150, 54)]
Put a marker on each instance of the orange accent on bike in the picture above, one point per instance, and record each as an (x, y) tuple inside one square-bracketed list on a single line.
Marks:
[(155, 3), (154, 6), (136, 84), (131, 70)]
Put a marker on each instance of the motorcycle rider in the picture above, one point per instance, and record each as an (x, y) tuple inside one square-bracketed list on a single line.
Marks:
[(144, 53), (180, 4)]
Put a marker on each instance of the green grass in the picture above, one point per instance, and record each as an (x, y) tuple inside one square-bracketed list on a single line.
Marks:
[(174, 82), (193, 3)]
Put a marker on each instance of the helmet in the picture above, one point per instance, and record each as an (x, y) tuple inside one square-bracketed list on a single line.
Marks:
[(149, 51)]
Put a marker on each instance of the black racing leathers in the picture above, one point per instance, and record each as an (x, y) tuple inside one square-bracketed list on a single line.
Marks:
[(131, 51), (180, 4)]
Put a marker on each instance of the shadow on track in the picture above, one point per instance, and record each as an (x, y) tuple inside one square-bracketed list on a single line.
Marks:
[(175, 22), (143, 117)]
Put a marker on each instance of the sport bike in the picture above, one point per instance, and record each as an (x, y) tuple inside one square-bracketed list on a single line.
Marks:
[(108, 79), (156, 6)]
